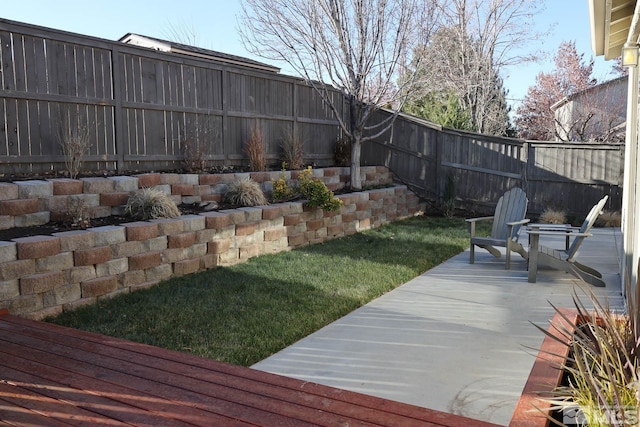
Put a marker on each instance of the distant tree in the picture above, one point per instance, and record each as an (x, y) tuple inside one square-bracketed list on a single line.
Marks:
[(183, 32), (535, 118), (441, 109), (475, 43), (357, 47)]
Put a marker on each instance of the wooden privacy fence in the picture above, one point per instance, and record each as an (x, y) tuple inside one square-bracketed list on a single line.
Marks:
[(139, 107), (475, 170)]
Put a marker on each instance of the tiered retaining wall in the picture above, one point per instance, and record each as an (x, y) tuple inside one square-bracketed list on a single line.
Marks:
[(35, 202), (44, 275)]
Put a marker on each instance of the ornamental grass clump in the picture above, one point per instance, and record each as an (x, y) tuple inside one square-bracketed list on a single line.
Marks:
[(553, 216), (609, 219), (254, 149), (150, 203), (292, 150), (245, 192), (602, 385)]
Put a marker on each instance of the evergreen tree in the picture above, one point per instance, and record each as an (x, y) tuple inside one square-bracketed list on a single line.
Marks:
[(462, 82), (443, 110)]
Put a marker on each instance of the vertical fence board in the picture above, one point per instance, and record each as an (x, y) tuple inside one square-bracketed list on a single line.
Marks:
[(5, 59), (12, 130), (53, 75), (19, 63), (35, 131), (4, 141), (23, 140)]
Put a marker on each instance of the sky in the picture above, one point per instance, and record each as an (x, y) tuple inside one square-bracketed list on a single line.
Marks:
[(214, 24)]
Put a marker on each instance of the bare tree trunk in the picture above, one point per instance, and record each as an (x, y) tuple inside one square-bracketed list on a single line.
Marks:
[(356, 180), (356, 143)]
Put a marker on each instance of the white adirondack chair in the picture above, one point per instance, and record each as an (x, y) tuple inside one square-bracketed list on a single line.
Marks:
[(565, 259), (507, 220)]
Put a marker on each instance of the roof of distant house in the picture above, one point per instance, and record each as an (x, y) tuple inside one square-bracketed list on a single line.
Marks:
[(563, 101), (198, 52)]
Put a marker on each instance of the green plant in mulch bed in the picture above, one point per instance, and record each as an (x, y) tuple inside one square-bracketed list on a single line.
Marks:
[(244, 313), (312, 189)]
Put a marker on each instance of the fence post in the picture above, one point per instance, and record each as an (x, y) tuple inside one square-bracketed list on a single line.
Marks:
[(439, 142), (294, 110), (524, 164), (117, 71), (225, 114)]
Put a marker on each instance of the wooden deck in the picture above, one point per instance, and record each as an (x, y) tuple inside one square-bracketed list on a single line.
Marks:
[(52, 375)]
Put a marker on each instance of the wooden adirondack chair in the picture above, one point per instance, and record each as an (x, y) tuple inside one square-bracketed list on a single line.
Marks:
[(564, 259), (507, 220)]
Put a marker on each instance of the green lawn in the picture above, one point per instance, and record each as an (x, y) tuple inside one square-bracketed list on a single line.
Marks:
[(244, 313)]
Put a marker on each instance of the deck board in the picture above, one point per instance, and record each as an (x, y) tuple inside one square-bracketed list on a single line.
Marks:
[(52, 375)]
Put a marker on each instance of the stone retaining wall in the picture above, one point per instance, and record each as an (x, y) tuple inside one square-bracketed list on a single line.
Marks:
[(44, 275), (36, 202)]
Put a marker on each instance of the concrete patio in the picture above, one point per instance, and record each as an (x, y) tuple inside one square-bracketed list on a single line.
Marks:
[(458, 338)]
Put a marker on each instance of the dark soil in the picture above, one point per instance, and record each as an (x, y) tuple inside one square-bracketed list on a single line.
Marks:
[(58, 226), (108, 173)]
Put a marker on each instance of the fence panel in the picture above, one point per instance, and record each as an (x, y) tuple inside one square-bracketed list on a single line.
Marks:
[(480, 168), (573, 176), (310, 106), (52, 89), (410, 150), (477, 169), (142, 106)]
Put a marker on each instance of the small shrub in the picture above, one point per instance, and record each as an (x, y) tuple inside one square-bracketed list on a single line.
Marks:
[(292, 150), (193, 156), (342, 152), (254, 149), (245, 192), (150, 203), (448, 206), (312, 189), (75, 141), (281, 189), (317, 193), (609, 219), (76, 213), (198, 135), (553, 216)]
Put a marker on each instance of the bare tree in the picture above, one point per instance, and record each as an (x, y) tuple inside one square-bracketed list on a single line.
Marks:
[(182, 32), (476, 43), (357, 47)]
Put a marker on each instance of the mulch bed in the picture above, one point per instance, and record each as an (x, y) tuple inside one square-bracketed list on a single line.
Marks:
[(59, 226)]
